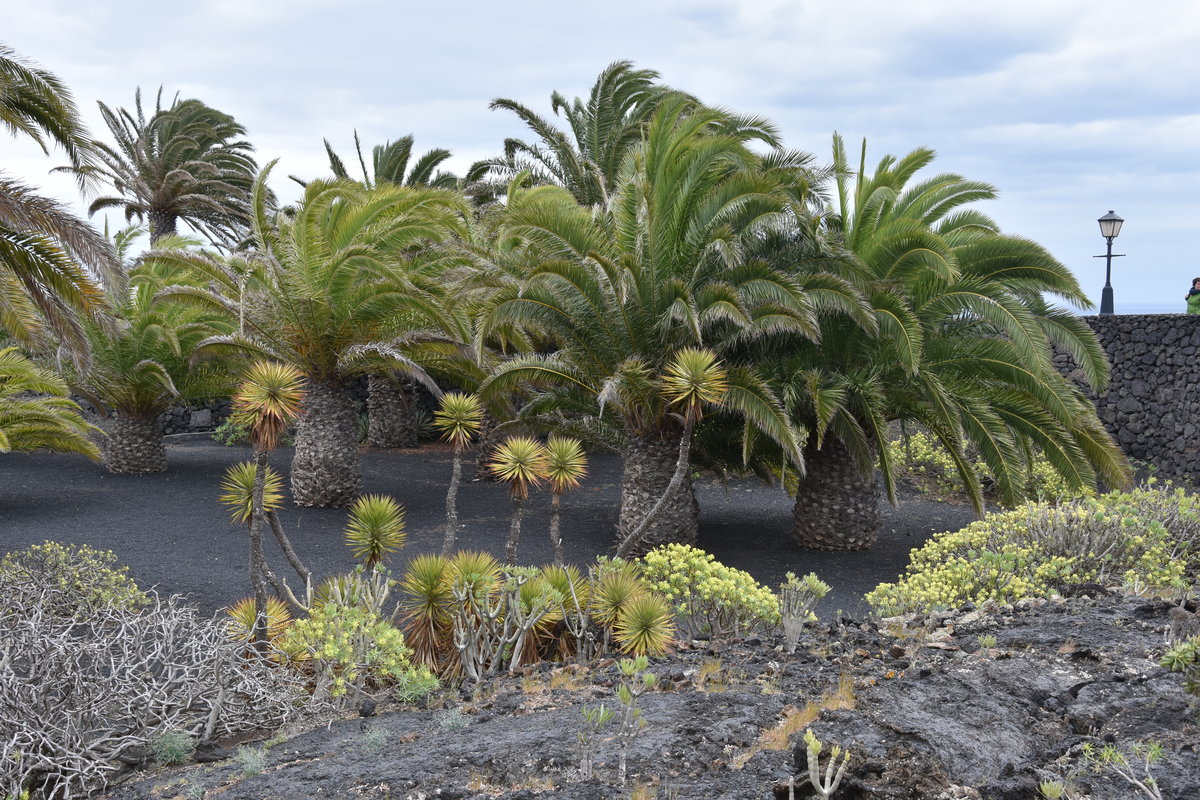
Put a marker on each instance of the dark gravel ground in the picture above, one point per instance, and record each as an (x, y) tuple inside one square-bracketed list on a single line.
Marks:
[(174, 535)]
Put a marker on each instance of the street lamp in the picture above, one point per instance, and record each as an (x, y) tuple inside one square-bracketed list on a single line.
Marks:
[(1110, 226)]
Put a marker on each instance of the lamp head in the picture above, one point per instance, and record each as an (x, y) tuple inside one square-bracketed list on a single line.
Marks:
[(1110, 225)]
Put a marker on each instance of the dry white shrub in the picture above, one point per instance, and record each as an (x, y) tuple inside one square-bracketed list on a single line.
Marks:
[(82, 693)]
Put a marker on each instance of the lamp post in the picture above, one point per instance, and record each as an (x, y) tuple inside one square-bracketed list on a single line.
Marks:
[(1110, 226)]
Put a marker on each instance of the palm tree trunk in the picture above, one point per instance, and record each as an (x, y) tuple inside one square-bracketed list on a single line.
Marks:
[(837, 505), (134, 446), (258, 558), (452, 504), (486, 441), (555, 536), (390, 406), (514, 531), (325, 470), (650, 463)]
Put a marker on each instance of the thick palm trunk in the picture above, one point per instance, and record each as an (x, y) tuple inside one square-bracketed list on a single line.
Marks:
[(134, 446), (325, 471), (837, 505), (486, 441), (649, 464), (390, 406), (514, 531)]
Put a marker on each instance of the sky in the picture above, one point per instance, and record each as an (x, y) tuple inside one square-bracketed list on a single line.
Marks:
[(1071, 108)]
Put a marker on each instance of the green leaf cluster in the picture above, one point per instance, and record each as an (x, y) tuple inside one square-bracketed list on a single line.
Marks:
[(1145, 539), (708, 595)]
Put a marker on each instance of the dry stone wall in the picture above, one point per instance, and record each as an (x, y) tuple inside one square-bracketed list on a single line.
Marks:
[(1152, 406)]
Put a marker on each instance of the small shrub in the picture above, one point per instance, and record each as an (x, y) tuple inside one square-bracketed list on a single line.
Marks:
[(451, 719), (374, 739), (797, 596), (1185, 657), (352, 650), (68, 579), (645, 627), (172, 747), (231, 432), (252, 760), (925, 463), (1144, 539), (414, 685), (708, 595)]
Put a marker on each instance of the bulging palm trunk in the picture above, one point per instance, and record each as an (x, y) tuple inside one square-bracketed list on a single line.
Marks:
[(649, 463), (162, 223), (325, 470), (837, 505), (390, 407), (134, 446)]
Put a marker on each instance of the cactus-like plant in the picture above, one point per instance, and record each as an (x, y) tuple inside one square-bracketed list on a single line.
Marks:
[(566, 465), (519, 461), (375, 528)]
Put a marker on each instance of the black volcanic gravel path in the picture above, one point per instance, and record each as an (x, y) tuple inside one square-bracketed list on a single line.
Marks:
[(174, 535)]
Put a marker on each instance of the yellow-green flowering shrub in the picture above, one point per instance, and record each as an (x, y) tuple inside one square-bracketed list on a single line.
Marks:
[(920, 458), (1145, 539), (353, 650), (709, 596), (69, 579)]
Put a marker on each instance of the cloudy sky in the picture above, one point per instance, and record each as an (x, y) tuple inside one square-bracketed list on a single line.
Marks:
[(1069, 107)]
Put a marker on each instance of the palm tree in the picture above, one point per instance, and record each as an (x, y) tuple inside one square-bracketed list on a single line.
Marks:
[(375, 529), (185, 162), (519, 461), (46, 253), (137, 371), (962, 347), (36, 411), (267, 402), (585, 159), (566, 466), (623, 287), (458, 419), (389, 164), (336, 302)]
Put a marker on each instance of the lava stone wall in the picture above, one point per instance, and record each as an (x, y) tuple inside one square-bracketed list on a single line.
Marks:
[(1152, 406)]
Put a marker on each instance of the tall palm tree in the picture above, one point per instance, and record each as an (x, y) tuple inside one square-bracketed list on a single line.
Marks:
[(186, 161), (621, 288), (962, 347), (587, 157), (50, 261), (335, 302), (390, 164)]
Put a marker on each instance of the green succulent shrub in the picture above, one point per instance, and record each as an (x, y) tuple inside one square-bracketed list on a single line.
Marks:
[(1185, 657), (1145, 539), (709, 596), (172, 747), (353, 650), (70, 579), (921, 460)]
